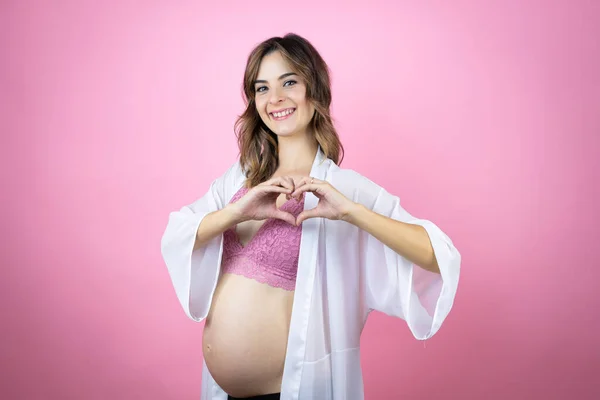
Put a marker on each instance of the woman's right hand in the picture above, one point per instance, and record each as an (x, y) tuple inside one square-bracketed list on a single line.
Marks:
[(260, 202)]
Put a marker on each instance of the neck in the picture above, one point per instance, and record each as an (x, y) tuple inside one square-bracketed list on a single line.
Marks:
[(297, 154)]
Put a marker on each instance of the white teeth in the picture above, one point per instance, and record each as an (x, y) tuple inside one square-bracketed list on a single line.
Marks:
[(283, 113)]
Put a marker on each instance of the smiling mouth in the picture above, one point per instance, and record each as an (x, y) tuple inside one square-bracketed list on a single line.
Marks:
[(279, 116)]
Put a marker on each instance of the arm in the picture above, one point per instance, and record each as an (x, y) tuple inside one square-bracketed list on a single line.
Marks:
[(215, 224), (391, 244), (258, 204), (408, 240), (192, 254)]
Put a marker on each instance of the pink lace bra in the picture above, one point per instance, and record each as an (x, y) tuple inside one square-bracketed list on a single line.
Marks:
[(271, 256)]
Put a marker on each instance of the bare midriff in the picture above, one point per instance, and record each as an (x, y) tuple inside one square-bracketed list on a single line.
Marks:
[(245, 335)]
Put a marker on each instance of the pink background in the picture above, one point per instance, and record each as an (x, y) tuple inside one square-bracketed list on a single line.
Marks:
[(482, 116)]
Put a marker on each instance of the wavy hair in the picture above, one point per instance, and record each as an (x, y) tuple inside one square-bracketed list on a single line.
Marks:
[(258, 145)]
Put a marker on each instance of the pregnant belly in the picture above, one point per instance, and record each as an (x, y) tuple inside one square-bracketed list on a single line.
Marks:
[(245, 336)]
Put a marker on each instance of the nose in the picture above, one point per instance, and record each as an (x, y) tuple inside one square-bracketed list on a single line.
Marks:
[(276, 96)]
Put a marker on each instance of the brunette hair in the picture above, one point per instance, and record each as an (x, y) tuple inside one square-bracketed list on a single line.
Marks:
[(257, 143)]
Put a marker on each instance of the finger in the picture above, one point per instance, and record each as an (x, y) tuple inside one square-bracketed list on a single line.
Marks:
[(312, 179), (274, 189), (308, 180), (285, 216), (306, 214), (309, 187), (280, 181), (290, 181), (298, 185), (304, 181)]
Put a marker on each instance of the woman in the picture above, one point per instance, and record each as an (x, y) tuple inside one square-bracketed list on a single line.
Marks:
[(287, 253)]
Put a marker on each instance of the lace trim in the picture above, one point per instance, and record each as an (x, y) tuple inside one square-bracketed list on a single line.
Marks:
[(243, 266)]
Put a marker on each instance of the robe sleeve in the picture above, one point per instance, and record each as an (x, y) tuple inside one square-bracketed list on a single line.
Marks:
[(194, 273), (398, 288)]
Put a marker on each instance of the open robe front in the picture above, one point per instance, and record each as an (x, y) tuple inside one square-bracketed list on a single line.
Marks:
[(343, 274)]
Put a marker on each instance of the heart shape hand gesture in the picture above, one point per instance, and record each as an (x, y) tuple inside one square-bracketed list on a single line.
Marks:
[(260, 202)]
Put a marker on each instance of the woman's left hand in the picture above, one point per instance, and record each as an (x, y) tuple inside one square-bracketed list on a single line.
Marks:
[(332, 204)]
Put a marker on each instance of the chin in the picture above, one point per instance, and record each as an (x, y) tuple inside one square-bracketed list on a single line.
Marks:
[(286, 132)]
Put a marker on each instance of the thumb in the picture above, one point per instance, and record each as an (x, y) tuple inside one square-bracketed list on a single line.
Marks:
[(306, 214), (285, 216)]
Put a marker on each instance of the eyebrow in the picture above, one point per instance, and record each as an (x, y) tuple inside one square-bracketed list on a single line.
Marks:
[(280, 78)]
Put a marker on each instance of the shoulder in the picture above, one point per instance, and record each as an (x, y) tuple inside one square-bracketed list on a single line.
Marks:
[(233, 173), (349, 176), (230, 181)]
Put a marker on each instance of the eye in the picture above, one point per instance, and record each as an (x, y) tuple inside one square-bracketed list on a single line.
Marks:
[(260, 89), (291, 83)]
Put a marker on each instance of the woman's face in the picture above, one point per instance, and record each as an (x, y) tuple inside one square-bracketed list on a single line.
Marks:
[(280, 97)]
